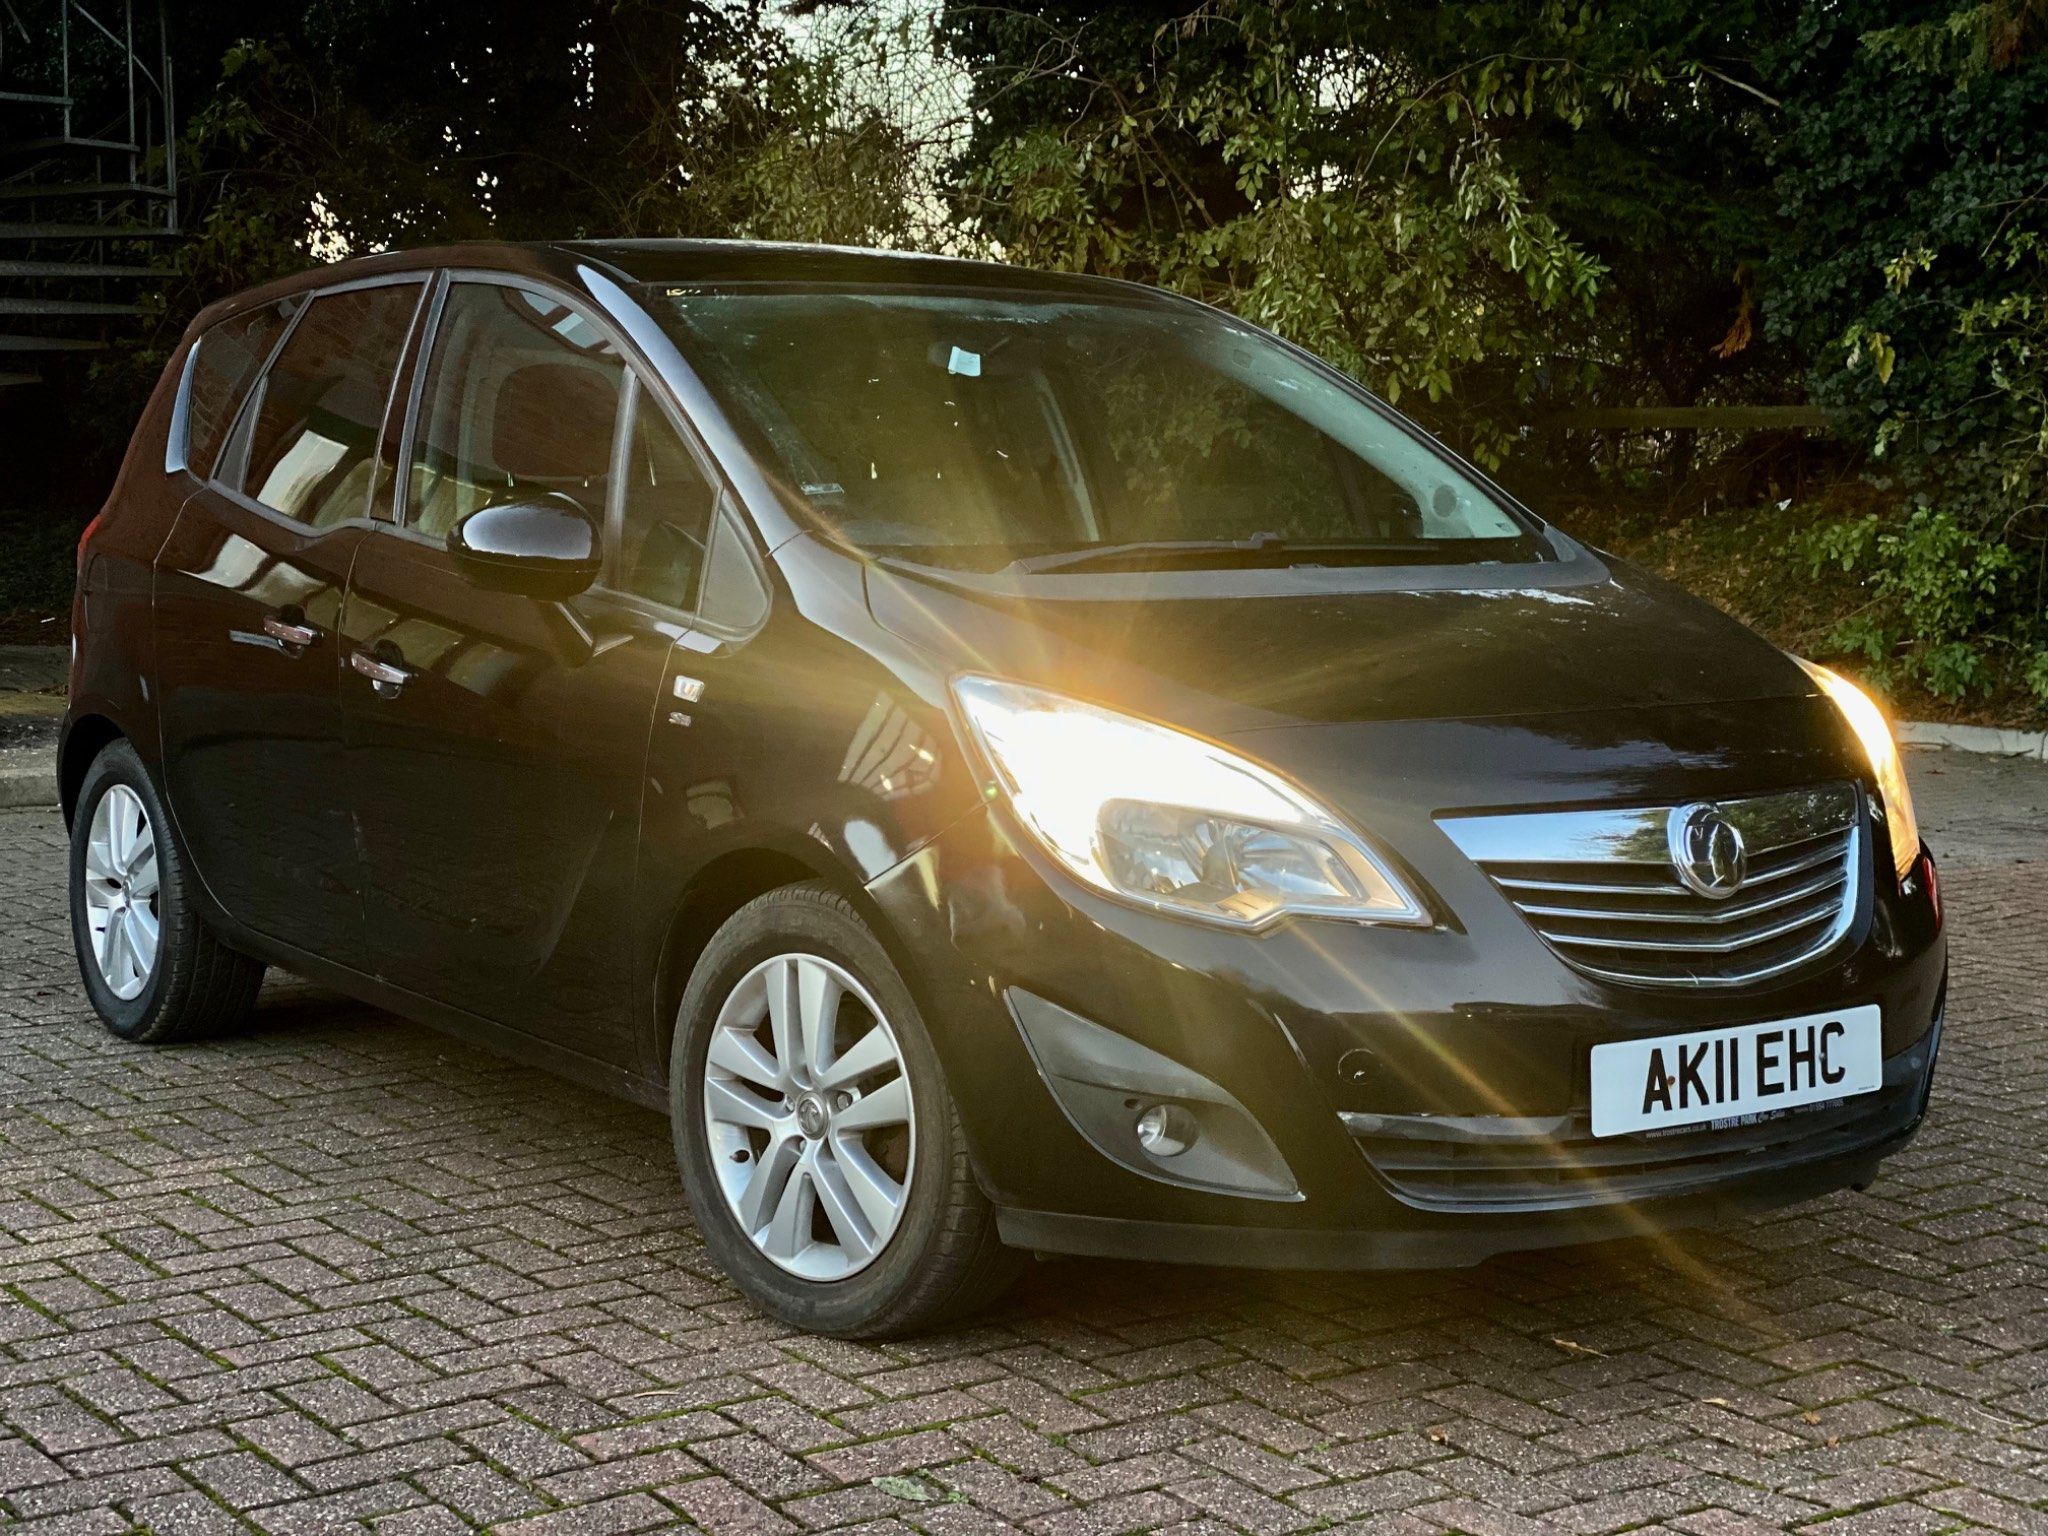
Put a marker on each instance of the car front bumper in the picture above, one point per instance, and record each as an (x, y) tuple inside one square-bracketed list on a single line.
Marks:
[(1424, 1090), (1539, 1191)]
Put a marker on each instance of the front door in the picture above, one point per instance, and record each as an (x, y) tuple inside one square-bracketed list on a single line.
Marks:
[(497, 743), (248, 595)]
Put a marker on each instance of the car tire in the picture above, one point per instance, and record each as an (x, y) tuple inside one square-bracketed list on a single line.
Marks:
[(935, 1253), (129, 878)]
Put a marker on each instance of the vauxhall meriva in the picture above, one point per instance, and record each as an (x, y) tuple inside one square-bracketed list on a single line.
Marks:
[(1006, 762)]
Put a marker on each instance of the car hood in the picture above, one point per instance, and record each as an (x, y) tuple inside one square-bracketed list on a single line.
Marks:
[(1224, 652)]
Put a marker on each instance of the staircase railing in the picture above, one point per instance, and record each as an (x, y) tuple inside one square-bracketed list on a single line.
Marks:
[(88, 170)]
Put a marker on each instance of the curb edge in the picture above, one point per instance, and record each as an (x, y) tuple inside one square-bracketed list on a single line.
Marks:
[(1991, 739), (27, 787)]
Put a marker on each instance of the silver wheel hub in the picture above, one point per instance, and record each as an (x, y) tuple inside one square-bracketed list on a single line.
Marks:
[(811, 1116), (121, 892), (808, 1112)]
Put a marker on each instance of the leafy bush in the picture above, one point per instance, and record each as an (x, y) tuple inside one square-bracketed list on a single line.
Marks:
[(1483, 211), (1942, 600), (1913, 272)]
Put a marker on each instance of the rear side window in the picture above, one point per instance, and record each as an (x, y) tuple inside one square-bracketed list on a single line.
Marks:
[(228, 356), (307, 445), (521, 396)]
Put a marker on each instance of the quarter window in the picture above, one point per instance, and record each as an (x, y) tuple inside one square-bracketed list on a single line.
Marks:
[(734, 598), (665, 518), (228, 356), (307, 446), (521, 396)]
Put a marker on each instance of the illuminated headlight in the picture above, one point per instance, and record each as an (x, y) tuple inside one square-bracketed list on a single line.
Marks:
[(1156, 816), (1868, 722)]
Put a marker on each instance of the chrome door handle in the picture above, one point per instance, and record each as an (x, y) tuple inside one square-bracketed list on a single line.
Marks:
[(387, 677), (286, 633)]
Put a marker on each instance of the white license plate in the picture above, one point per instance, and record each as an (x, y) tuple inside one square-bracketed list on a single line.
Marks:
[(1722, 1074)]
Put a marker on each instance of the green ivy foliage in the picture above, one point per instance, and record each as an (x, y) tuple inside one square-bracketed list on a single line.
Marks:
[(1931, 578), (1913, 164)]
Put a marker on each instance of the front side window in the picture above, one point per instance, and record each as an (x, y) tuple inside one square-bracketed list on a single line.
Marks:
[(228, 355), (307, 445), (521, 396), (984, 428)]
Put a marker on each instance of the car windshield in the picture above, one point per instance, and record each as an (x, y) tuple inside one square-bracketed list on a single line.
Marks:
[(1043, 431)]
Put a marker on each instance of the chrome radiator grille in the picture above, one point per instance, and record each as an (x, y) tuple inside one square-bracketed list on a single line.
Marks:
[(1616, 894)]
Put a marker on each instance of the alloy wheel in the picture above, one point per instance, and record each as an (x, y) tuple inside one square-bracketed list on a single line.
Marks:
[(121, 896), (808, 1109)]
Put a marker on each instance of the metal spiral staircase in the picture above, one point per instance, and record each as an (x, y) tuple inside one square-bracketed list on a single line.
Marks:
[(88, 174)]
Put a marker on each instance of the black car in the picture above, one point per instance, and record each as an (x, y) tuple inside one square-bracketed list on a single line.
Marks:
[(1008, 762)]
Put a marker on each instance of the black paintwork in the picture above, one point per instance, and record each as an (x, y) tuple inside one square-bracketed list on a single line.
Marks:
[(549, 547), (526, 842)]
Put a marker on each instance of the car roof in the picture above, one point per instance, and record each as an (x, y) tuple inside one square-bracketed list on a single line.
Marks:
[(688, 262), (726, 261)]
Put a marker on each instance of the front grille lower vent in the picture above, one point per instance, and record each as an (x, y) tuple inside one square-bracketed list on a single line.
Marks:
[(1604, 889), (1489, 1164)]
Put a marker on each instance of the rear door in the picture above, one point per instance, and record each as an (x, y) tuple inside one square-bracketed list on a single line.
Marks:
[(497, 779), (248, 593)]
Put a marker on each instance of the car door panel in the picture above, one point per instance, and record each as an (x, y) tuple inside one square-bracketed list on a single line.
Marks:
[(497, 791), (252, 757), (496, 742), (247, 597)]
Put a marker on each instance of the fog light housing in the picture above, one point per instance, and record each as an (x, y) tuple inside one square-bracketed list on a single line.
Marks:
[(1146, 1112), (1166, 1130)]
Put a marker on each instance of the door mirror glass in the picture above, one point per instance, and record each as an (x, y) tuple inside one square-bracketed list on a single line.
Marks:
[(544, 545)]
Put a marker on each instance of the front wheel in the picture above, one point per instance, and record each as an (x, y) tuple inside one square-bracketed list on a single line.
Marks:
[(818, 1143), (152, 969)]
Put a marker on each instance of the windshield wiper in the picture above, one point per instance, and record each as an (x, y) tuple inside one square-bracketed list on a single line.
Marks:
[(1074, 559)]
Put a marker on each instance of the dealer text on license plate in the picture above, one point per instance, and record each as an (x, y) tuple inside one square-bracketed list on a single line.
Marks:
[(1719, 1074)]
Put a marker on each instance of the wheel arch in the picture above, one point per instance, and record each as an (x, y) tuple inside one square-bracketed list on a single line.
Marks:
[(85, 738), (719, 889)]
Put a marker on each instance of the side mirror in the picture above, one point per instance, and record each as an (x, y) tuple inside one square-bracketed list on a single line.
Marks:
[(545, 546)]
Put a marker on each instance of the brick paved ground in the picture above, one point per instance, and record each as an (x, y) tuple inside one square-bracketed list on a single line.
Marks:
[(343, 1274)]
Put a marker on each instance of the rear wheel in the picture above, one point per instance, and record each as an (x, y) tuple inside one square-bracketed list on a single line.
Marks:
[(153, 971), (818, 1142)]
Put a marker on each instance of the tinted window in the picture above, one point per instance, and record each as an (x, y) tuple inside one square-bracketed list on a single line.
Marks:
[(665, 517), (981, 427), (228, 356), (308, 446), (521, 395)]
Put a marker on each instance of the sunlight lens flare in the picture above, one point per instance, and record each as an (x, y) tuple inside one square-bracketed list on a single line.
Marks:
[(1154, 816), (1875, 733)]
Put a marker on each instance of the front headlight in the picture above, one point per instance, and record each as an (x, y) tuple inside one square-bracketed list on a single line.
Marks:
[(1871, 728), (1167, 820)]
